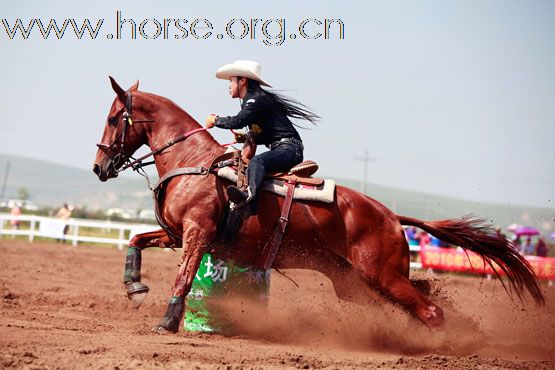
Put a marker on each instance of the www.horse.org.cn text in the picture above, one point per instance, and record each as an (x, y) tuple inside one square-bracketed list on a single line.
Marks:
[(271, 32)]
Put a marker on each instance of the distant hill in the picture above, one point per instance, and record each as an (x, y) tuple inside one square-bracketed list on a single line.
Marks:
[(50, 184), (429, 206)]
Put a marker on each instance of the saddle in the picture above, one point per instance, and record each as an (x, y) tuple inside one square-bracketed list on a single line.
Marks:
[(298, 177), (300, 174), (231, 220)]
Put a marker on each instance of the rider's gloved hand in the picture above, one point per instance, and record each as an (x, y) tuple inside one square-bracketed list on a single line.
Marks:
[(210, 121), (240, 136)]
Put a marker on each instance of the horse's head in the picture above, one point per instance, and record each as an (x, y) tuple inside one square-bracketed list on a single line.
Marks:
[(121, 138)]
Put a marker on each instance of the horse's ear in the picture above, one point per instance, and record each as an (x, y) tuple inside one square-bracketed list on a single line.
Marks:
[(117, 88), (135, 86)]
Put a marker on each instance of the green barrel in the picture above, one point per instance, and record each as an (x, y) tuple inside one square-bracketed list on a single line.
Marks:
[(215, 280)]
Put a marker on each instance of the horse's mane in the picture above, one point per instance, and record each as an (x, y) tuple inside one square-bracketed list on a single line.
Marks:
[(158, 100), (161, 100)]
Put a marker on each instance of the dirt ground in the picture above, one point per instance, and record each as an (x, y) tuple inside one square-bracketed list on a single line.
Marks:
[(65, 307)]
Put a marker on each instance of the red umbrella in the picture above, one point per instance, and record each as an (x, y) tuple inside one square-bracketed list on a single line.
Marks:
[(526, 230)]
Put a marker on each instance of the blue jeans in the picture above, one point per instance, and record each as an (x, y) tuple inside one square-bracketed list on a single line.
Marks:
[(280, 159)]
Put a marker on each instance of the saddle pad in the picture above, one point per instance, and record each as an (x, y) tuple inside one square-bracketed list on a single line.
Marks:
[(324, 193)]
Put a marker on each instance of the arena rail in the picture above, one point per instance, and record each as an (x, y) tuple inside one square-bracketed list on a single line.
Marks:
[(53, 228)]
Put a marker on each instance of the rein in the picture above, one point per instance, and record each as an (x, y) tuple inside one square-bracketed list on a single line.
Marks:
[(121, 156), (137, 164), (162, 148)]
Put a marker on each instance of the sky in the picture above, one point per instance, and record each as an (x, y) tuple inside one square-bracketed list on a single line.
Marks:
[(454, 98)]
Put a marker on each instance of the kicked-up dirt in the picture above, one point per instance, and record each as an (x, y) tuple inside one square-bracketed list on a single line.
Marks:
[(65, 307)]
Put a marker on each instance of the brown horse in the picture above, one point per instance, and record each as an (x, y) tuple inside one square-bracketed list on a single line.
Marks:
[(356, 241)]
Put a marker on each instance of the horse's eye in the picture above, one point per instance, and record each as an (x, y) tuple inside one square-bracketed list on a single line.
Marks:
[(112, 120)]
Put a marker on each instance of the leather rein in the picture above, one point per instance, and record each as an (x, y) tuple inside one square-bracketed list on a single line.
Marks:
[(137, 162), (117, 147), (116, 153)]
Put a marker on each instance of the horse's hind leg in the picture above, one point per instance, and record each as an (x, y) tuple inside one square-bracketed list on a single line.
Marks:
[(347, 282), (136, 291), (349, 285), (388, 272), (400, 290)]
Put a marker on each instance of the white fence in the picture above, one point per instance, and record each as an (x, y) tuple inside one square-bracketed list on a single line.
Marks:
[(48, 227), (53, 228)]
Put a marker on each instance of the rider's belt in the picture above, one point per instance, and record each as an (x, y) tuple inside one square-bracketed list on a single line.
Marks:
[(291, 140)]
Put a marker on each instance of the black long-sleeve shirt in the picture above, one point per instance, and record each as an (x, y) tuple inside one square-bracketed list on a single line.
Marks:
[(263, 117)]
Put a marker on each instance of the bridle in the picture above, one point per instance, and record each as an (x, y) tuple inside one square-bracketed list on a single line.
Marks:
[(116, 154), (116, 150)]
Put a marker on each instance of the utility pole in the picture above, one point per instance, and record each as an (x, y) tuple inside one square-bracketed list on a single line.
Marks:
[(5, 180), (365, 159)]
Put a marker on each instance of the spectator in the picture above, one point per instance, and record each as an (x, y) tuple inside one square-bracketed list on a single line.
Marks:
[(541, 248), (423, 239), (435, 242), (16, 211), (528, 248), (64, 213), (410, 233)]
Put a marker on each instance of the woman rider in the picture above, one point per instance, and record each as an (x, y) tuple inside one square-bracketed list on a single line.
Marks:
[(267, 116)]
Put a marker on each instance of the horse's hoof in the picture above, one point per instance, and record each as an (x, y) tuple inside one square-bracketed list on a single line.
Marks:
[(137, 299), (136, 292), (159, 329), (435, 325), (174, 314), (136, 287), (434, 318), (169, 324)]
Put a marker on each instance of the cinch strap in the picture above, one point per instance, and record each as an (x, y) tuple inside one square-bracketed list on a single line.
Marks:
[(271, 248)]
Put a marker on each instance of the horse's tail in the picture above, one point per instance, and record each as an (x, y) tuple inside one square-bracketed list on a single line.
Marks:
[(475, 235)]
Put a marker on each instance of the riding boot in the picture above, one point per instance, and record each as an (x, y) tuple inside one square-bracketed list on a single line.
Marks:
[(243, 200)]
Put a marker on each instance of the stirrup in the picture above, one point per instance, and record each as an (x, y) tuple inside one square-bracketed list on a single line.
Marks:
[(236, 195)]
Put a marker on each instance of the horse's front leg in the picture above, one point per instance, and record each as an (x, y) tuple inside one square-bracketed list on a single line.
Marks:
[(136, 290), (195, 241)]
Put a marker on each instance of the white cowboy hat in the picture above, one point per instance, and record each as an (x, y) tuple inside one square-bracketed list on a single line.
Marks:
[(241, 68)]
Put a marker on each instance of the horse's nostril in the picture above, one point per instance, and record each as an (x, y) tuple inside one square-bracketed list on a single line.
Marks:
[(96, 169)]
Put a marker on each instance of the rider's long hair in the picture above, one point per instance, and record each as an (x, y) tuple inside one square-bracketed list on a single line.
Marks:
[(290, 107)]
